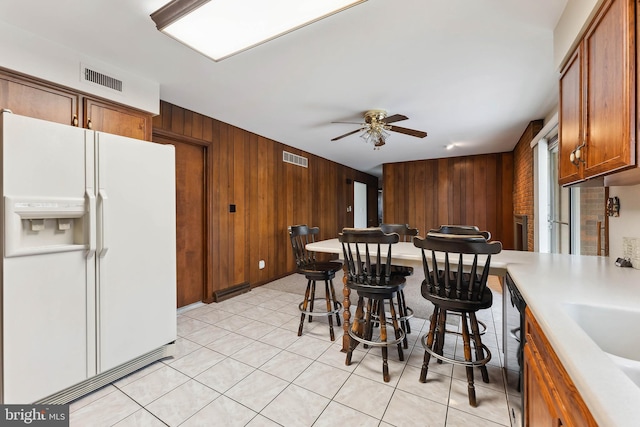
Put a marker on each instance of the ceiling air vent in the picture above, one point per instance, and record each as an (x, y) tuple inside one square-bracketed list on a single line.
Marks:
[(90, 75), (295, 159)]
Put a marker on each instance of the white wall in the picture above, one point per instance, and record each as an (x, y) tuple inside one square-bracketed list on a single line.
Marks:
[(628, 223), (38, 57), (570, 27)]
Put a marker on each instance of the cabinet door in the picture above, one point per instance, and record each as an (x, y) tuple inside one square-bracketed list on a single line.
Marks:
[(539, 407), (117, 120), (609, 49), (570, 118), (33, 99)]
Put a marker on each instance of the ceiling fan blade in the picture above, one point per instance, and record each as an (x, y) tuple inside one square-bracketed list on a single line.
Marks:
[(412, 132), (394, 118), (347, 134)]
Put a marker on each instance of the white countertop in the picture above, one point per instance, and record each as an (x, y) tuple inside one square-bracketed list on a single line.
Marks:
[(547, 282)]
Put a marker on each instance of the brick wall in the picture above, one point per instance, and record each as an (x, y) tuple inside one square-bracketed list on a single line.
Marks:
[(523, 178)]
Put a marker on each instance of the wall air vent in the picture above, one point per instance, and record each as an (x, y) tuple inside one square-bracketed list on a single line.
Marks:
[(294, 159), (90, 75)]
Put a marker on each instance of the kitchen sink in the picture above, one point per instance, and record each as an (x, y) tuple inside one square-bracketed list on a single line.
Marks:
[(612, 329)]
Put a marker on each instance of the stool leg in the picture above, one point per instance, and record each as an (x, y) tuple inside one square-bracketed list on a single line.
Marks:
[(467, 356), (407, 325), (475, 329), (368, 328), (374, 311), (396, 329), (383, 338), (404, 322), (442, 328), (430, 339), (312, 298), (354, 328), (304, 307), (328, 301), (335, 302)]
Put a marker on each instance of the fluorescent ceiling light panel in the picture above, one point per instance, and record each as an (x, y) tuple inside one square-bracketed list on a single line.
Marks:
[(221, 28)]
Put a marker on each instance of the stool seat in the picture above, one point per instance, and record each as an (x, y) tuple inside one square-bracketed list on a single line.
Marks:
[(395, 284), (320, 270), (485, 301)]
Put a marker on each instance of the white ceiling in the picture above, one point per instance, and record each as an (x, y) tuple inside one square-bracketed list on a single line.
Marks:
[(469, 72)]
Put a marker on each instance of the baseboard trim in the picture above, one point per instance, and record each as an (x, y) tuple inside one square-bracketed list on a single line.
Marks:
[(231, 292)]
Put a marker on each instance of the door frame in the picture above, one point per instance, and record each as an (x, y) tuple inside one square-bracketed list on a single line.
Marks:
[(165, 137)]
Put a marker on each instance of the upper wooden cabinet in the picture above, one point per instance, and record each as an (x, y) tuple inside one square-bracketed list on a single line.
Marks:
[(111, 118), (39, 100), (32, 97), (597, 97)]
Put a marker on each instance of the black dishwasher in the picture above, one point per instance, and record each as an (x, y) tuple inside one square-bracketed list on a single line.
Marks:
[(513, 330)]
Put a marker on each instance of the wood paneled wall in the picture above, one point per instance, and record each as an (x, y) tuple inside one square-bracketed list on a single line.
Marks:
[(269, 195), (472, 190)]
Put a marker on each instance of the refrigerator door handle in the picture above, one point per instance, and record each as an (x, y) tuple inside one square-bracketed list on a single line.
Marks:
[(91, 222), (102, 194)]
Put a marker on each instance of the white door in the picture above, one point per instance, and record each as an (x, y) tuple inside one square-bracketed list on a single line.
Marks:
[(359, 205), (46, 327), (136, 248)]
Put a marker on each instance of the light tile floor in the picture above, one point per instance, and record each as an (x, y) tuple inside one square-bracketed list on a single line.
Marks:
[(241, 363)]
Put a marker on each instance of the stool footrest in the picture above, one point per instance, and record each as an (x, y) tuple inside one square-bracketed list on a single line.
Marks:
[(322, 312), (483, 328), (377, 343), (454, 361)]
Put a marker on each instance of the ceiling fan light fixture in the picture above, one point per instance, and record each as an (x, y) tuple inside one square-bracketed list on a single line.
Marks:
[(376, 127), (221, 28), (376, 136), (375, 131)]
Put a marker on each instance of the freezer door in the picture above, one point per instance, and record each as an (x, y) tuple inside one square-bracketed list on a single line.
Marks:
[(136, 248), (46, 330)]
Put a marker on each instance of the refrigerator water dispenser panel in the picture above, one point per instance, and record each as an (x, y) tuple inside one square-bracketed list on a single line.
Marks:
[(44, 225)]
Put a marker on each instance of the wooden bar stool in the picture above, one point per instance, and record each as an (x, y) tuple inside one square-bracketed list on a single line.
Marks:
[(451, 289), (362, 249), (406, 234), (300, 236)]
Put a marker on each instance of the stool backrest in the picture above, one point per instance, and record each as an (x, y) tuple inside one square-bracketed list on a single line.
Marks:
[(405, 232), (450, 279), (461, 229), (364, 247), (300, 236)]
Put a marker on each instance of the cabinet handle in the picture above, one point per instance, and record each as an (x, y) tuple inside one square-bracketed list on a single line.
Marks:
[(75, 120), (576, 155), (89, 123)]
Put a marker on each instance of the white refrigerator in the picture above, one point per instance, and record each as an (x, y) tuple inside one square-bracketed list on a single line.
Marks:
[(88, 271)]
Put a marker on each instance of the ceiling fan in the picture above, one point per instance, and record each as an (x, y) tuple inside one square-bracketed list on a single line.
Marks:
[(376, 126)]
